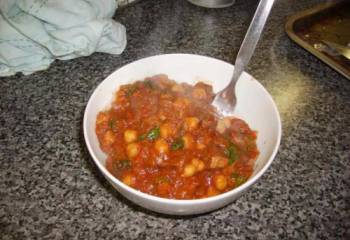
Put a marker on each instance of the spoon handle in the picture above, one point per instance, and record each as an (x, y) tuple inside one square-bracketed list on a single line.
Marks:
[(251, 39)]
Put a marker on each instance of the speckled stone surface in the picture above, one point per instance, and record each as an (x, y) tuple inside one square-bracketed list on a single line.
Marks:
[(50, 189)]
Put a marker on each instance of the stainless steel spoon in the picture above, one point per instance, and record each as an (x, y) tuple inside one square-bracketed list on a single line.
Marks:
[(225, 100)]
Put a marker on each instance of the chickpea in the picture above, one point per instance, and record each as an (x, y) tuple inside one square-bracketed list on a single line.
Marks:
[(199, 93), (189, 170), (129, 179), (165, 130), (162, 117), (130, 135), (218, 162), (212, 191), (188, 141), (161, 146), (178, 88), (166, 96), (195, 162), (191, 123), (109, 138), (132, 149), (220, 182), (198, 164), (181, 103)]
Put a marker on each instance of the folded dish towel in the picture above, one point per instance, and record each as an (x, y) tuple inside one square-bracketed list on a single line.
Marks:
[(33, 33)]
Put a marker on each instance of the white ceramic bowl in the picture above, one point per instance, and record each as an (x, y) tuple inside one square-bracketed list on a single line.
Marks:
[(255, 106)]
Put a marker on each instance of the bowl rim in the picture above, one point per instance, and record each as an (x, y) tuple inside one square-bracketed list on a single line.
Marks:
[(181, 202)]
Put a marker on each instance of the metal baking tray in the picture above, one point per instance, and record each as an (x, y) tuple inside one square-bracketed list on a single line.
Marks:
[(328, 22)]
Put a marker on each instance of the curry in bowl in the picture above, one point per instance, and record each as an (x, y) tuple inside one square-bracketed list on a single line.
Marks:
[(165, 139)]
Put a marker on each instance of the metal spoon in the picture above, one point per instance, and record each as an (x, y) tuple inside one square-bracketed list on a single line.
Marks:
[(225, 100)]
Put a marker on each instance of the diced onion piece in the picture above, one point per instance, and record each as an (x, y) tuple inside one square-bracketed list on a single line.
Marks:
[(218, 162), (223, 124)]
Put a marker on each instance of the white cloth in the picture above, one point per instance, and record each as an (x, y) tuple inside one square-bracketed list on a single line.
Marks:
[(33, 33)]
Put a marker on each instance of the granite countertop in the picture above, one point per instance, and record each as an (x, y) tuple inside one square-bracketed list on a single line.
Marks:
[(50, 189)]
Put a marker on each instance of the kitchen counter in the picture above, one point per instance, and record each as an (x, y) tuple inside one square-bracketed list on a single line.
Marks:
[(50, 188)]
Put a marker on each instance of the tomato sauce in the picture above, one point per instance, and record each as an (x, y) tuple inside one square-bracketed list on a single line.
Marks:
[(165, 139)]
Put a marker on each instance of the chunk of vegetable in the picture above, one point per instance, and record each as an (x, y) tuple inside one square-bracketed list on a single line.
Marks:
[(231, 153), (212, 191), (130, 91), (132, 149), (238, 179), (130, 135), (191, 123), (177, 144), (109, 138), (101, 118), (123, 164), (198, 164), (129, 179), (111, 124), (188, 141), (177, 88), (189, 170), (153, 133), (165, 130), (161, 146), (143, 137), (199, 93), (223, 124), (218, 162), (220, 182), (149, 84), (181, 103)]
